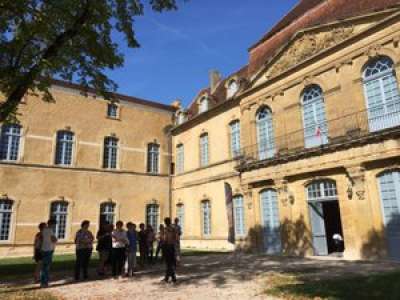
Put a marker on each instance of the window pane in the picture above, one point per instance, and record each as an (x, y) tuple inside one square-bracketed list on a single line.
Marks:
[(206, 215), (153, 154), (238, 208), (112, 110), (235, 138), (180, 214), (180, 159), (10, 141), (107, 214), (204, 150), (110, 153), (65, 143), (5, 219), (265, 134), (59, 213), (152, 215)]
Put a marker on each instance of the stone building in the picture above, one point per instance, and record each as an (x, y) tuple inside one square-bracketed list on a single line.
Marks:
[(296, 150)]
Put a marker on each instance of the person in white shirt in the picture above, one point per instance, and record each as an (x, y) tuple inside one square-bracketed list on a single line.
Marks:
[(48, 245), (119, 243)]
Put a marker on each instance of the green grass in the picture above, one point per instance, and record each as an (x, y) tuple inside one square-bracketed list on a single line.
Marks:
[(375, 286)]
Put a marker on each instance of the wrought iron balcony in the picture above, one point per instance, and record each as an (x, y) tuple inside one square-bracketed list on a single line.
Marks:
[(346, 131)]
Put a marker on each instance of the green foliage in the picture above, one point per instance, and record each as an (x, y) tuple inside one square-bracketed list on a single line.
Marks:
[(68, 39)]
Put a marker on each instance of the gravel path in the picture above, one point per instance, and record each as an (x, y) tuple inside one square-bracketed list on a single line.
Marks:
[(230, 276)]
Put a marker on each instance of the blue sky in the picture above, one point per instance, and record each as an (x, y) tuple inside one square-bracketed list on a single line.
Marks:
[(179, 48)]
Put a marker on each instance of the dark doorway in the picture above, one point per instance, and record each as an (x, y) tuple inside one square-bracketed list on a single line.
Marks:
[(333, 226)]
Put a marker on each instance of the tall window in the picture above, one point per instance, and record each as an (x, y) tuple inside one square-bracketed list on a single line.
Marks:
[(107, 213), (233, 87), (382, 93), (153, 158), (112, 110), (206, 217), (65, 144), (203, 105), (10, 141), (238, 209), (204, 150), (265, 134), (235, 138), (59, 213), (110, 153), (315, 125), (180, 214), (152, 215), (180, 158), (5, 219)]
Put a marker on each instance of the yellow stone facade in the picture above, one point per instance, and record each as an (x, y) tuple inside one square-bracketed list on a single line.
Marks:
[(353, 158)]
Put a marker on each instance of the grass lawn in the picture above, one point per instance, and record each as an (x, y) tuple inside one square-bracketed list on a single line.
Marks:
[(375, 286)]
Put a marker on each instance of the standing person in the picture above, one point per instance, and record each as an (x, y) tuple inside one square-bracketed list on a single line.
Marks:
[(37, 256), (132, 248), (170, 237), (160, 242), (49, 241), (150, 236), (142, 244), (119, 244), (178, 240), (84, 247), (104, 246)]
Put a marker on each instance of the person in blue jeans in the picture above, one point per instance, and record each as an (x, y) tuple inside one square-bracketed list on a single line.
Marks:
[(49, 241)]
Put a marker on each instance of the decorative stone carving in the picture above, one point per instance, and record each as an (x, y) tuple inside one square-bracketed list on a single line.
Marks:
[(356, 175), (308, 45)]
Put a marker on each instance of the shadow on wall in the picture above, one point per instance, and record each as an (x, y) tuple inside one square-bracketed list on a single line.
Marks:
[(383, 243), (296, 237)]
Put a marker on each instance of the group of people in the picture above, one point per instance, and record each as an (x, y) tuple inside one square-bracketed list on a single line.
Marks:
[(117, 248)]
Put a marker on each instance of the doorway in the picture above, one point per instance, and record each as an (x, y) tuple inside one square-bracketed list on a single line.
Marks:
[(326, 223)]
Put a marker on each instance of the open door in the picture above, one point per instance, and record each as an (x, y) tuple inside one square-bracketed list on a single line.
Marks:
[(320, 244)]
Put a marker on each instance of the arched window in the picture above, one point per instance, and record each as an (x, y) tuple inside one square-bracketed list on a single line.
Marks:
[(180, 214), (232, 89), (204, 148), (153, 158), (265, 134), (322, 190), (9, 142), (110, 152), (315, 124), (235, 138), (180, 158), (59, 213), (206, 217), (389, 183), (107, 213), (180, 118), (5, 219), (203, 104), (64, 148), (382, 94), (152, 215), (238, 214)]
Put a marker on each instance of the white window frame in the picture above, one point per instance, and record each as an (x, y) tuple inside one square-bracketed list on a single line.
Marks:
[(203, 104), (239, 215), (6, 215), (234, 127), (11, 138), (204, 150), (61, 218), (232, 88), (107, 209), (180, 158), (110, 151), (153, 216), (180, 214), (153, 158), (206, 227), (112, 110), (61, 145)]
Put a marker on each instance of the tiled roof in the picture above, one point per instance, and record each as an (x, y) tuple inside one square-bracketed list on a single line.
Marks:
[(219, 95), (306, 14), (117, 96)]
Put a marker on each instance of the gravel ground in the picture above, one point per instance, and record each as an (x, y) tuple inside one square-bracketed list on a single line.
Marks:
[(230, 276)]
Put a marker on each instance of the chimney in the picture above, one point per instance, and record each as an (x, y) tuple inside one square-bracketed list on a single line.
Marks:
[(177, 104), (215, 78)]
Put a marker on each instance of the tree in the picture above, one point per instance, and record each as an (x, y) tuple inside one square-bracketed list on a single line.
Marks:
[(68, 39)]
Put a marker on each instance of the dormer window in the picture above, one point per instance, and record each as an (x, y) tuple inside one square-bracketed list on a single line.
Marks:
[(180, 118), (232, 88), (203, 104), (112, 110)]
